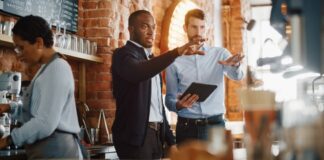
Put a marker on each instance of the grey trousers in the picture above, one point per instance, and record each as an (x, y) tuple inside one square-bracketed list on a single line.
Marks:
[(58, 145)]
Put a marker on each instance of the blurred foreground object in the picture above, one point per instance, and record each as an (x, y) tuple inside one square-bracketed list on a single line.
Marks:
[(259, 118), (303, 130), (252, 81), (218, 147)]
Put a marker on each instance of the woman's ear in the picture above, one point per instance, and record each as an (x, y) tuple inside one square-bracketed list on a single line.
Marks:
[(39, 42)]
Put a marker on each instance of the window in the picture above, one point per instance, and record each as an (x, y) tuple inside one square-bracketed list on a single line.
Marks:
[(176, 33), (267, 42)]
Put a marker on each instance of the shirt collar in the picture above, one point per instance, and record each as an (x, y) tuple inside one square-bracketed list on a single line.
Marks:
[(204, 47), (147, 50), (138, 45)]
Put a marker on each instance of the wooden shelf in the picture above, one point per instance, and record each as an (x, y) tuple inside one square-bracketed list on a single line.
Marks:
[(78, 55), (7, 41)]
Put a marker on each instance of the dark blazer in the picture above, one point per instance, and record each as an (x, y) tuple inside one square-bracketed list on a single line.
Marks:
[(132, 73)]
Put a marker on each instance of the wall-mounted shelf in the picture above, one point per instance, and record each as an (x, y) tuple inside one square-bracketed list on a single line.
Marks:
[(6, 40)]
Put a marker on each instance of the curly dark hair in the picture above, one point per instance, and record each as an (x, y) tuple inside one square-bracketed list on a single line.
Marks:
[(30, 27)]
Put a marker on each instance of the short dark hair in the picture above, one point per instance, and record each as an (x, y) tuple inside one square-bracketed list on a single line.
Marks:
[(134, 15), (30, 27), (197, 13)]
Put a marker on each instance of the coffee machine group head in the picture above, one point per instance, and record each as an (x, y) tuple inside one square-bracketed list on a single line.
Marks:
[(10, 86)]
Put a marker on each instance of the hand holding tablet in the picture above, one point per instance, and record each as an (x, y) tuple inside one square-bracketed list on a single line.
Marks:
[(201, 90)]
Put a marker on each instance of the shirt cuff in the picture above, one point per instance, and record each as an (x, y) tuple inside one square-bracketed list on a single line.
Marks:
[(237, 65), (13, 107)]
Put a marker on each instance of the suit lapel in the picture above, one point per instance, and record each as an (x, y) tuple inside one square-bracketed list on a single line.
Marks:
[(138, 49)]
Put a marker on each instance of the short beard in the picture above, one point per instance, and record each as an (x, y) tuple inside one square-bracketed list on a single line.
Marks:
[(192, 37)]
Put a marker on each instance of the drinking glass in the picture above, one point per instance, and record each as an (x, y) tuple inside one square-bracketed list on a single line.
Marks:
[(74, 43), (80, 45), (87, 46), (61, 36), (93, 48)]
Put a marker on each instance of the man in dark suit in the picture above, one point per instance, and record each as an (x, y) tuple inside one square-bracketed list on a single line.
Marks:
[(140, 127)]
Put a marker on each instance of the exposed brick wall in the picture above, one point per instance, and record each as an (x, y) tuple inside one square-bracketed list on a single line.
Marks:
[(97, 22), (105, 21), (232, 38)]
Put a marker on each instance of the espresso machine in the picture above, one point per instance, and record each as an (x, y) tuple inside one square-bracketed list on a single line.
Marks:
[(301, 120), (10, 85)]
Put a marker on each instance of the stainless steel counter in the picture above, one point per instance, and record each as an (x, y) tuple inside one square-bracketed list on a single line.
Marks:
[(13, 154), (96, 151), (102, 151)]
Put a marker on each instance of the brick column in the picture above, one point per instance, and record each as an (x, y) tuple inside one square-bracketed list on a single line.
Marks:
[(232, 34)]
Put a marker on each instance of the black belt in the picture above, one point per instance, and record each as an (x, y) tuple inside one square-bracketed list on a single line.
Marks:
[(201, 121), (60, 131), (155, 125)]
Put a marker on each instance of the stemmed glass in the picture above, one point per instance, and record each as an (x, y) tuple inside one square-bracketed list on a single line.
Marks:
[(56, 23), (67, 37), (60, 37)]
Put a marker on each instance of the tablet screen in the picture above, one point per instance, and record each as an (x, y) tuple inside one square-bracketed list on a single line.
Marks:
[(200, 89)]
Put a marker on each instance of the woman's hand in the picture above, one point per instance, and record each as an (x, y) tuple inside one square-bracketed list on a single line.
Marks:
[(4, 108), (4, 142)]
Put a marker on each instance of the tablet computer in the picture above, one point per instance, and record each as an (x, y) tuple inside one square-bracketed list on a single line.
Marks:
[(200, 89)]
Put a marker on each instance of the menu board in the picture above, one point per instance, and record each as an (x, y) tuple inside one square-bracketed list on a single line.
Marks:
[(51, 10)]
